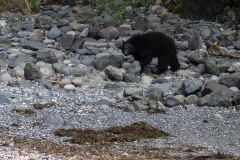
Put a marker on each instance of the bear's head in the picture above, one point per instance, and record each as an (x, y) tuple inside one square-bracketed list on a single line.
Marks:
[(127, 48)]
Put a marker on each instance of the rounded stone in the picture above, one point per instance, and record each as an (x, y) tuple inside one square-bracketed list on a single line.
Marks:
[(19, 73), (64, 82), (77, 81), (6, 77), (69, 87)]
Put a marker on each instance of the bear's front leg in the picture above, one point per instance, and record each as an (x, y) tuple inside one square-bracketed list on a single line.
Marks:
[(144, 63)]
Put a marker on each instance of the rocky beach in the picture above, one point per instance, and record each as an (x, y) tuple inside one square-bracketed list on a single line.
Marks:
[(68, 92)]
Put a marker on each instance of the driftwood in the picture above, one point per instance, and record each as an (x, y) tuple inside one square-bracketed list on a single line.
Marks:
[(217, 51)]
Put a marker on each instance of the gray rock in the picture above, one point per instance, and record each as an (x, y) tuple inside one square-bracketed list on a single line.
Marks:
[(5, 77), (102, 62), (3, 61), (141, 24), (81, 71), (206, 33), (77, 71), (153, 104), (31, 72), (214, 99), (195, 42), (214, 86), (113, 73), (64, 82), (191, 99), (20, 60), (22, 34), (46, 56), (84, 33), (211, 68), (66, 42), (190, 87), (44, 23), (78, 43), (56, 121), (109, 33), (159, 80), (140, 105), (129, 108), (4, 98), (4, 41), (95, 44), (155, 94), (69, 87), (132, 92), (77, 81), (33, 45), (165, 87), (54, 33), (182, 45), (134, 68), (58, 67), (63, 22), (230, 80), (180, 98), (65, 29), (198, 56), (47, 71), (130, 78), (171, 101)]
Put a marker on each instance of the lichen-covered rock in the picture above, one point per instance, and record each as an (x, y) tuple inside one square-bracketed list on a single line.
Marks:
[(113, 73), (31, 72)]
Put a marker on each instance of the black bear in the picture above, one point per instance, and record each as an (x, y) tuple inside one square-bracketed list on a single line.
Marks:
[(146, 46)]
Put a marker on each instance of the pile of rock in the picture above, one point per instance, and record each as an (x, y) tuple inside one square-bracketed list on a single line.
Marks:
[(61, 45)]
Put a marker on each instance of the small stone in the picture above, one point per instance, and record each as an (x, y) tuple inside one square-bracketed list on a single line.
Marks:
[(64, 82), (77, 81), (19, 73), (119, 96), (185, 73), (69, 87), (218, 116), (39, 94), (66, 61), (5, 77), (171, 101), (180, 98), (191, 99), (147, 80)]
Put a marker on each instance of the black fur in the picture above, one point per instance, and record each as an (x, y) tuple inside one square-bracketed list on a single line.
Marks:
[(153, 44)]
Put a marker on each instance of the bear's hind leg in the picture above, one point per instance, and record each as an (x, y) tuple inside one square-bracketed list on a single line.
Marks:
[(174, 64)]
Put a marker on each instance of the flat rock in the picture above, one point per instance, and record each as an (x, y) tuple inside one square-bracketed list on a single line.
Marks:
[(33, 45), (102, 62), (230, 80), (214, 86), (190, 87)]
